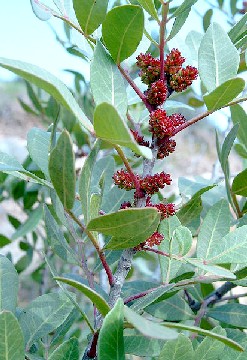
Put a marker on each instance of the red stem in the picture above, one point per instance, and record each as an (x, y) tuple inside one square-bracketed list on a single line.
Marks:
[(156, 251), (106, 267), (191, 122), (92, 352), (162, 39), (136, 89)]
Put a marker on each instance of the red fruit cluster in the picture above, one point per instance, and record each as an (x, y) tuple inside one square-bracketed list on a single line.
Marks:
[(183, 78), (151, 184), (150, 68), (157, 93), (166, 210), (162, 125)]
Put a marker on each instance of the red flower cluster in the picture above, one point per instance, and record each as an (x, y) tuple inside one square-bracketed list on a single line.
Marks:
[(166, 146), (150, 184), (173, 62), (157, 93), (162, 125), (165, 210), (124, 180), (183, 78), (150, 68), (155, 239), (139, 139)]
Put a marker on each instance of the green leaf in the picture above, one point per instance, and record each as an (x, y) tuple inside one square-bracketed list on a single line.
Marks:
[(212, 269), (240, 337), (218, 58), (193, 40), (50, 84), (130, 226), (97, 299), (210, 349), (30, 224), (43, 315), (122, 31), (224, 93), (148, 299), (207, 19), (111, 343), (139, 345), (86, 179), (4, 240), (57, 241), (179, 349), (186, 5), (107, 82), (215, 226), (182, 235), (241, 150), (229, 342), (238, 28), (62, 170), (233, 314), (172, 309), (239, 116), (38, 144), (231, 249), (147, 327), (226, 147), (193, 207), (178, 23), (90, 14), (11, 337), (68, 350), (148, 5), (110, 127), (8, 285), (9, 165), (239, 185)]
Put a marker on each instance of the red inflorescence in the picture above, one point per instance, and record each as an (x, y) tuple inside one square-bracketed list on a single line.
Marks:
[(139, 139), (150, 68), (162, 125), (166, 146), (151, 184), (124, 180), (157, 93), (182, 79), (173, 62), (125, 205), (166, 210), (154, 239)]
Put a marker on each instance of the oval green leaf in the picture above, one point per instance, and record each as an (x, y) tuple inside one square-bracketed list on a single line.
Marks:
[(68, 350), (218, 58), (50, 84), (8, 285), (122, 31), (109, 126), (62, 170), (239, 185), (111, 342), (97, 299), (107, 83), (224, 93), (90, 14), (11, 338), (124, 223)]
